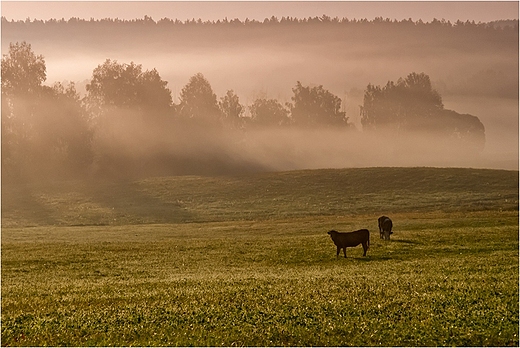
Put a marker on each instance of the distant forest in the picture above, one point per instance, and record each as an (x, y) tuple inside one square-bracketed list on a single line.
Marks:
[(147, 20), (333, 28)]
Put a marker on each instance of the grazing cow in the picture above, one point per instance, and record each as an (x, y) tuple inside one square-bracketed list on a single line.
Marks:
[(380, 224), (385, 227), (350, 239)]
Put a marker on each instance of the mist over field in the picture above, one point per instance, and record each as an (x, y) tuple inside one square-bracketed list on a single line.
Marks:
[(216, 152), (474, 68)]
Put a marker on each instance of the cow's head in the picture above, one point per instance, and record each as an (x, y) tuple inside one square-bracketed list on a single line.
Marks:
[(332, 231)]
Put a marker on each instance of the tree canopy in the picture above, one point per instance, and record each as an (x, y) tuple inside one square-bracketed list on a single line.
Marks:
[(198, 102), (412, 104), (127, 86), (316, 106), (22, 70), (408, 104), (268, 113), (44, 129), (232, 110)]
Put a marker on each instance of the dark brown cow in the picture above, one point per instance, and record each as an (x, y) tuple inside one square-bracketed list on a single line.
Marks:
[(350, 239), (385, 227)]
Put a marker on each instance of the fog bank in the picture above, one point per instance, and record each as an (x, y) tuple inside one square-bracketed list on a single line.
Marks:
[(138, 150)]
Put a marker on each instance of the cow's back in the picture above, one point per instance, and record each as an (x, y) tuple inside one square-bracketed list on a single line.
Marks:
[(387, 225), (363, 235), (380, 222), (354, 238), (387, 228), (363, 231)]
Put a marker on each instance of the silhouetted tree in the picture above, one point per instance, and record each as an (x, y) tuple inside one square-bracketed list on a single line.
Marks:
[(374, 109), (467, 132), (126, 103), (412, 104), (23, 72), (419, 102), (316, 106), (61, 130), (126, 86), (268, 113), (44, 129), (232, 110), (408, 104), (198, 103)]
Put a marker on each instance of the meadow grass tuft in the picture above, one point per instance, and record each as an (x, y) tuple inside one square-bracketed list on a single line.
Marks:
[(448, 277)]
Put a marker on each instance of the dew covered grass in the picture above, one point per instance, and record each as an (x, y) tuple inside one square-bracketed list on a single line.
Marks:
[(448, 277)]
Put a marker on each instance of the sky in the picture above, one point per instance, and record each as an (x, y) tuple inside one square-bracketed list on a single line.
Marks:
[(479, 11)]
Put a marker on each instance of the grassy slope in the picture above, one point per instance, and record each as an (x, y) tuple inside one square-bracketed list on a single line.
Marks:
[(255, 266), (262, 196)]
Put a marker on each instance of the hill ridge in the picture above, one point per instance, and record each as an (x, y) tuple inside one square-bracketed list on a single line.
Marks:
[(260, 196)]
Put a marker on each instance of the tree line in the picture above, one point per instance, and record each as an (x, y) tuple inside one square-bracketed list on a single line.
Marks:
[(273, 20), (52, 129), (466, 34)]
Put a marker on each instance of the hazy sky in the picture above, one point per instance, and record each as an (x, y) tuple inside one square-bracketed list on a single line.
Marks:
[(479, 11)]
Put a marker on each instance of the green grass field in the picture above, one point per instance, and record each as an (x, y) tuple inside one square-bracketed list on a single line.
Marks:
[(246, 260)]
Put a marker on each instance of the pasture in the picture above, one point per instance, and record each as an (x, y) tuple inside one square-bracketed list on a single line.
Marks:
[(246, 260)]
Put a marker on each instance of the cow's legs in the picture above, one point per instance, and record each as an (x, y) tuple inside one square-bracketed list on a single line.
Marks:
[(337, 252), (365, 248), (345, 251)]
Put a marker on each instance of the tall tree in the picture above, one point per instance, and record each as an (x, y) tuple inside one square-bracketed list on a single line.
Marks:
[(23, 72), (232, 110), (62, 134), (127, 86), (373, 109), (198, 102), (130, 107), (268, 113), (418, 102), (412, 104), (316, 106), (44, 129), (409, 104)]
